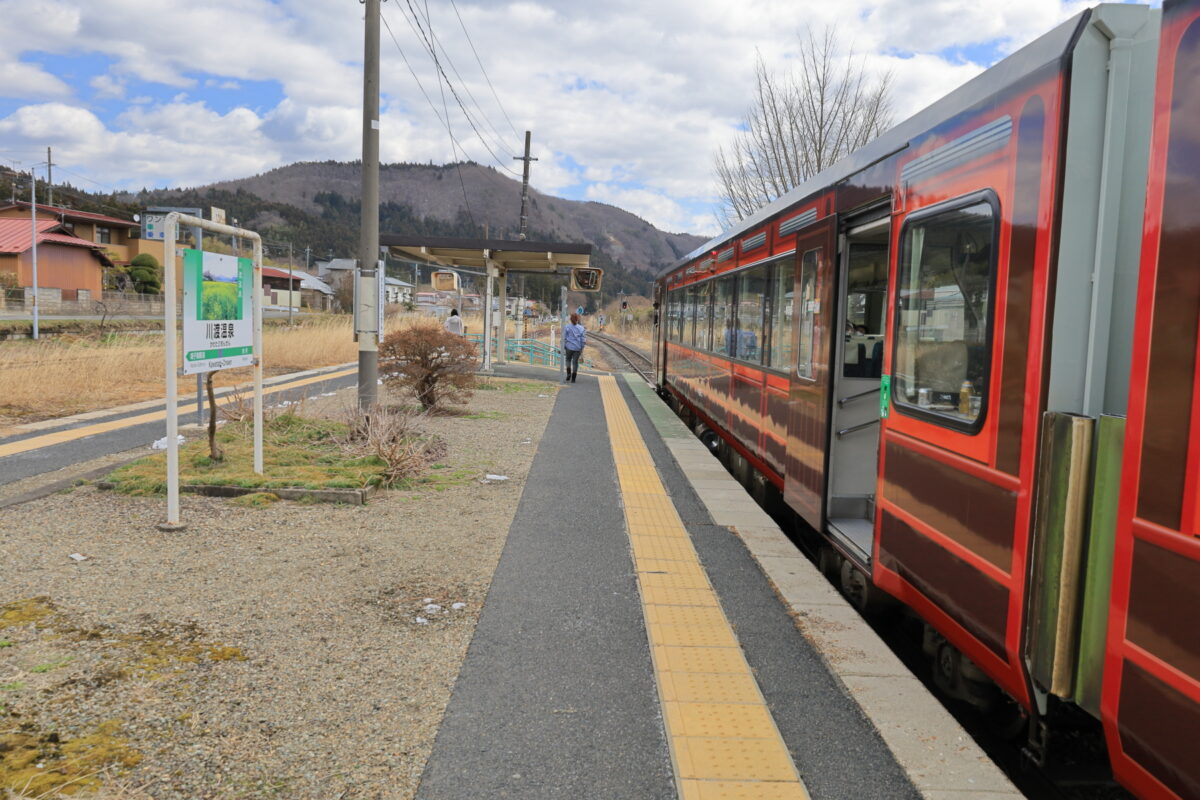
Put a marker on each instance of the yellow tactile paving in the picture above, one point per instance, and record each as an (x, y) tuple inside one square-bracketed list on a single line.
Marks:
[(720, 720), (724, 743), (662, 548), (701, 687), (740, 790), (729, 759), (668, 596)]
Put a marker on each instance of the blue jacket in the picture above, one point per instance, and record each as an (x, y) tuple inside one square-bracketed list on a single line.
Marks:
[(573, 337)]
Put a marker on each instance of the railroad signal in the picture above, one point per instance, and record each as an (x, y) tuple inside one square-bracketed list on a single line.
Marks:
[(624, 305)]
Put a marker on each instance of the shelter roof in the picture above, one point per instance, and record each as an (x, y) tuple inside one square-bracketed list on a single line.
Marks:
[(514, 256)]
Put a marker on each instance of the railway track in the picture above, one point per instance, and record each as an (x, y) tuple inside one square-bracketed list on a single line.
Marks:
[(631, 356)]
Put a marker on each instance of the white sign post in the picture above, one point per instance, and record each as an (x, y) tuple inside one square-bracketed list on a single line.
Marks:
[(222, 328)]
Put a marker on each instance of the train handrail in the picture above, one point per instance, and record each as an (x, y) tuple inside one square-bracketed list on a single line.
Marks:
[(844, 400), (858, 427)]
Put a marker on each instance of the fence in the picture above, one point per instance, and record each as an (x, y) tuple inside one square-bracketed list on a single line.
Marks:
[(529, 351), (83, 303)]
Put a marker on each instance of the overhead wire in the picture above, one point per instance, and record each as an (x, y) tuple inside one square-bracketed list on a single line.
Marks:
[(498, 139), (432, 50), (483, 70), (454, 145)]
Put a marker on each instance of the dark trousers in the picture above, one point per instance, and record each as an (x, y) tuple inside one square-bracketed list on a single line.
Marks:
[(572, 363)]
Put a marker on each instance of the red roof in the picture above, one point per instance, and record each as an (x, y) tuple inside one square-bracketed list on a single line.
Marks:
[(271, 272), (16, 236), (71, 214)]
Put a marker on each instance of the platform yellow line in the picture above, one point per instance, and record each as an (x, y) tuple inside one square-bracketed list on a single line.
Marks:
[(723, 740), (72, 434)]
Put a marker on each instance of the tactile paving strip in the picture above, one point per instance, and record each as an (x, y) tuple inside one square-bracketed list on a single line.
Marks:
[(724, 742)]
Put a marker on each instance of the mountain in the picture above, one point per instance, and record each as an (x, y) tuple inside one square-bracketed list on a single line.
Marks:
[(494, 199)]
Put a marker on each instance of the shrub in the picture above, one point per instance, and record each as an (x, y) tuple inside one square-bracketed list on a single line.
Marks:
[(436, 366), (146, 274)]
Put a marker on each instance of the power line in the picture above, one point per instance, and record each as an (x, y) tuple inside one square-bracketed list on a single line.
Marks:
[(478, 61), (499, 139), (450, 84), (446, 111), (446, 121)]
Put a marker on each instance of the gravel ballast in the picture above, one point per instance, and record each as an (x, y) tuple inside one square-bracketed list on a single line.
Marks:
[(294, 651)]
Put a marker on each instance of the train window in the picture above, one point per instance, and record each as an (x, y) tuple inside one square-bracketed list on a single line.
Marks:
[(673, 315), (752, 290), (689, 315), (866, 298), (810, 306), (943, 316), (703, 315), (783, 287), (722, 319)]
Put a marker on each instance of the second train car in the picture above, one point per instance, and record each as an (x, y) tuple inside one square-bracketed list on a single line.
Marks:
[(966, 357)]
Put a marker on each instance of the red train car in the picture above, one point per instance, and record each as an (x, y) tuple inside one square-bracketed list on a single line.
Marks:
[(929, 350)]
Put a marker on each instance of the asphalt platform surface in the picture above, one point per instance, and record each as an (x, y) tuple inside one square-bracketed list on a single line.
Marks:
[(556, 698)]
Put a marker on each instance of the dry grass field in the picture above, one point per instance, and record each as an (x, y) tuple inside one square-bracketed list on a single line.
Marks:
[(69, 375)]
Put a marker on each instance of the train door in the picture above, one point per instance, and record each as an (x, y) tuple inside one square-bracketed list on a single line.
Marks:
[(809, 393), (857, 365), (1150, 701), (658, 346)]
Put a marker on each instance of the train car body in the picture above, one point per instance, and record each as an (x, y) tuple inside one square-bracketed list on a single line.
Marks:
[(927, 351)]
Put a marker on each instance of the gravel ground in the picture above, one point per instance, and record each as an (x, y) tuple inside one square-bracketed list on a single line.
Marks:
[(262, 652)]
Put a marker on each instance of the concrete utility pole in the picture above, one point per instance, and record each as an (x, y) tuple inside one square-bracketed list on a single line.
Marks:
[(49, 178), (33, 218), (368, 250), (525, 188), (291, 283)]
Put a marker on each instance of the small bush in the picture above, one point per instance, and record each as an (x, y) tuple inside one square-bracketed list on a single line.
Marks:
[(390, 437), (437, 367)]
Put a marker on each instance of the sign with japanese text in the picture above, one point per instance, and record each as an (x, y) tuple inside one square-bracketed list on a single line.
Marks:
[(218, 311)]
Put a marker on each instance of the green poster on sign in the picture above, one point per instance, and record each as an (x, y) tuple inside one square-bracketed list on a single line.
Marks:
[(218, 310), (885, 395)]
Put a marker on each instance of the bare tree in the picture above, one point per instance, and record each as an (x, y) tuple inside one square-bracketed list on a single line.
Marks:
[(799, 124)]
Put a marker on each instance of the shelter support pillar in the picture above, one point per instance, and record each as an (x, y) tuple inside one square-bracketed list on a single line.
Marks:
[(487, 315), (502, 330)]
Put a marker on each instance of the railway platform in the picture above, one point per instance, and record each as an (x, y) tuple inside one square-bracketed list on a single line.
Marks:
[(650, 633)]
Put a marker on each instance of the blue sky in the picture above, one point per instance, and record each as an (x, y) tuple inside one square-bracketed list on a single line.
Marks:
[(627, 99)]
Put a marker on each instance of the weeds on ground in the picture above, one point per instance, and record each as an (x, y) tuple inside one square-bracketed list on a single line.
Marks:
[(298, 452)]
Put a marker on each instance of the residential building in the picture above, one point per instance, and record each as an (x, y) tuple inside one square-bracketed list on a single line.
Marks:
[(65, 262)]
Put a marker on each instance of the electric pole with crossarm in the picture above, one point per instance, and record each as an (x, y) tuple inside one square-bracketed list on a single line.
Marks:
[(525, 188)]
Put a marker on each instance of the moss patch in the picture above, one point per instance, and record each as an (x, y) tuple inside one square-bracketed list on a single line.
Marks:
[(36, 763), (256, 500), (298, 452)]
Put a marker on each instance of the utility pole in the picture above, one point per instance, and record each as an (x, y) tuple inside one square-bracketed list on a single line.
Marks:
[(525, 188), (49, 178), (368, 251), (291, 284), (33, 217)]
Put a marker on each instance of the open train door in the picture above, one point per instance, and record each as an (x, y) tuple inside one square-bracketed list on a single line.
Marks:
[(811, 387), (1151, 696)]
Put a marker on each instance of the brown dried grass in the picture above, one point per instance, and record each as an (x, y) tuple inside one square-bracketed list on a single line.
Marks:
[(68, 375)]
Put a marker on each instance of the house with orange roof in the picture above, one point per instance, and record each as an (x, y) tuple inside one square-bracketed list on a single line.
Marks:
[(65, 261)]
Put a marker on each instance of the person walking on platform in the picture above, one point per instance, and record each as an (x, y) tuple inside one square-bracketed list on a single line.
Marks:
[(454, 323), (574, 336)]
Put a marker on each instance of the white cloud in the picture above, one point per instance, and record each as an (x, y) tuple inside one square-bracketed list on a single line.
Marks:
[(107, 86), (29, 81)]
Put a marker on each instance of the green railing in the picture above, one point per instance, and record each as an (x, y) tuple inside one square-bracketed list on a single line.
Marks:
[(528, 351)]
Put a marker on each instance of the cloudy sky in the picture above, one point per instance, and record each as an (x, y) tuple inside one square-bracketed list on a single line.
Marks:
[(627, 99)]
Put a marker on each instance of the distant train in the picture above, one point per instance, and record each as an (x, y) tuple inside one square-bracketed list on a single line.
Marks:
[(966, 358)]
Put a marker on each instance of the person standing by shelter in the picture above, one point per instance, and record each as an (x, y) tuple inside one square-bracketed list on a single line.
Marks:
[(454, 323), (574, 338)]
